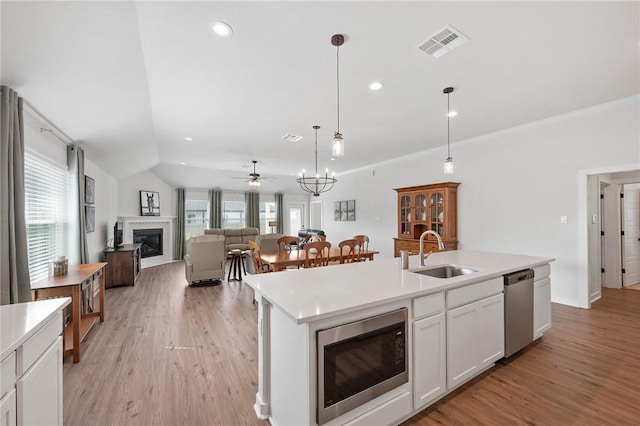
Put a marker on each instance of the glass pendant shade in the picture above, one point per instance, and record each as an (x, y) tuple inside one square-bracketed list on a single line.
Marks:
[(448, 166), (338, 145)]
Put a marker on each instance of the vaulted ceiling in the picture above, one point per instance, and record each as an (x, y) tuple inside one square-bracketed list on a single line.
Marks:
[(130, 80)]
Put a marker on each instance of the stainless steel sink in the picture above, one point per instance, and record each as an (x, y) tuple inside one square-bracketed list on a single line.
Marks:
[(445, 271)]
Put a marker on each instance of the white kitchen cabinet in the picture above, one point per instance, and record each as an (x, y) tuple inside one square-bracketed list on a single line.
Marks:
[(541, 300), (429, 360), (31, 367), (39, 390), (475, 338), (8, 409)]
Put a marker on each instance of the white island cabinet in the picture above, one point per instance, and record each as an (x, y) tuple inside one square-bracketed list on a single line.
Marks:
[(454, 330), (31, 363)]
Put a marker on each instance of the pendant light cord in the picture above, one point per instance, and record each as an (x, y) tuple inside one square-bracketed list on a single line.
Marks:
[(338, 83), (448, 118), (316, 152)]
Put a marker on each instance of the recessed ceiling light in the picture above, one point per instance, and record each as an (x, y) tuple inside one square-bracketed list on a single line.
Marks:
[(183, 163), (188, 139), (221, 28), (376, 85), (333, 159), (452, 113)]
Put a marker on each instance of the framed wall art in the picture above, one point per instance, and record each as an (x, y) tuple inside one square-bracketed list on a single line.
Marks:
[(149, 203), (344, 210), (90, 218), (89, 190)]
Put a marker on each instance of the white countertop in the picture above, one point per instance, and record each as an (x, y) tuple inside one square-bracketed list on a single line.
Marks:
[(20, 321), (308, 295)]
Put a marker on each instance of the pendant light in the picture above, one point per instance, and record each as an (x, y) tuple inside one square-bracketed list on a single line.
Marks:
[(338, 141), (316, 184), (448, 163)]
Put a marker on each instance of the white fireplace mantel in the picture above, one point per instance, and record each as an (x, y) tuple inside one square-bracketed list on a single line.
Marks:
[(131, 223)]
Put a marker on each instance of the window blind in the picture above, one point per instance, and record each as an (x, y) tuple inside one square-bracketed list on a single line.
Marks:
[(46, 188)]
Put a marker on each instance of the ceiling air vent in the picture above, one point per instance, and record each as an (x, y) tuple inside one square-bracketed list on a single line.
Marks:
[(291, 138), (443, 41)]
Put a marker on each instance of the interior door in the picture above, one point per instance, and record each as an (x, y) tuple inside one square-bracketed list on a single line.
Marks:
[(315, 215), (296, 218), (631, 239)]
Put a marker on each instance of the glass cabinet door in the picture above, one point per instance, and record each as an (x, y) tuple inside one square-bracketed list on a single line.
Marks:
[(436, 204), (405, 215), (420, 207)]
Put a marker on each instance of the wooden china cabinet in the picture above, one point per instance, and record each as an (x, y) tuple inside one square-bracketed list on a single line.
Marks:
[(425, 207)]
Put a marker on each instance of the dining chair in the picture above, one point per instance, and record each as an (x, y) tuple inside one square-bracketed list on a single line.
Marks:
[(349, 251), (363, 240), (288, 243), (259, 266), (317, 254)]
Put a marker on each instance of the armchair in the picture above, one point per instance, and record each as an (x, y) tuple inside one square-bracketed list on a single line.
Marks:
[(205, 258)]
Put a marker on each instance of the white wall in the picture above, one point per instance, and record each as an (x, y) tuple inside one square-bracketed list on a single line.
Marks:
[(106, 204), (515, 185), (129, 194)]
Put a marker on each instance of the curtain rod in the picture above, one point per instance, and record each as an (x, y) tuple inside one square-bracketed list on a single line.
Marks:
[(45, 125)]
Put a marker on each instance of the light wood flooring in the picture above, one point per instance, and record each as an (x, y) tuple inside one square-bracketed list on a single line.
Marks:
[(168, 354)]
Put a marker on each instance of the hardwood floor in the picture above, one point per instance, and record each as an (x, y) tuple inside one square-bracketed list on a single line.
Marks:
[(168, 354)]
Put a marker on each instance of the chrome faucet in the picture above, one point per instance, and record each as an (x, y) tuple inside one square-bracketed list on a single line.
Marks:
[(440, 245)]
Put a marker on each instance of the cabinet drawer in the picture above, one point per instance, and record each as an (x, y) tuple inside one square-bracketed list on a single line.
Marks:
[(471, 293), (31, 350), (7, 374), (428, 305), (541, 272)]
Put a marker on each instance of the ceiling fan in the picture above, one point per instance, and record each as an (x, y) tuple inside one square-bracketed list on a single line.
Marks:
[(254, 178)]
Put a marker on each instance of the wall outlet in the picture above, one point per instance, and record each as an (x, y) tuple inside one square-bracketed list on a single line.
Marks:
[(594, 218), (563, 219)]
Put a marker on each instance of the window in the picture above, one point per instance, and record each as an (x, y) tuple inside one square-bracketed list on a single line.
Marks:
[(267, 214), (46, 189), (197, 217), (233, 214)]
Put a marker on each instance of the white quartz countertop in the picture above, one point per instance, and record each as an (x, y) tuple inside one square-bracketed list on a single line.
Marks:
[(308, 295), (20, 321)]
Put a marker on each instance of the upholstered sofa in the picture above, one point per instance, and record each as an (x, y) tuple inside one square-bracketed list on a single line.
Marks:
[(235, 238), (204, 258)]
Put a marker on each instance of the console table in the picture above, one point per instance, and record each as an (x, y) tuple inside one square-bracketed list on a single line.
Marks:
[(77, 279), (123, 265)]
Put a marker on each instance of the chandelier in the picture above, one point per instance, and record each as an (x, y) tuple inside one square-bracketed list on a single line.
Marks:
[(316, 184)]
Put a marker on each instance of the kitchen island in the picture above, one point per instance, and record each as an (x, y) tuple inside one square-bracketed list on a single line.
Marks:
[(454, 329)]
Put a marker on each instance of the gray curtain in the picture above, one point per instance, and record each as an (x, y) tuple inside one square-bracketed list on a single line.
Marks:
[(75, 163), (14, 256), (279, 213), (215, 208), (252, 207), (178, 247)]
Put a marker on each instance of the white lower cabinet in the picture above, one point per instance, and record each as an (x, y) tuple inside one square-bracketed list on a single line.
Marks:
[(541, 300), (475, 338), (40, 389), (8, 409), (429, 360)]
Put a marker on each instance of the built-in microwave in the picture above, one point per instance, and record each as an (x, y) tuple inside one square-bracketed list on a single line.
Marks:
[(360, 361)]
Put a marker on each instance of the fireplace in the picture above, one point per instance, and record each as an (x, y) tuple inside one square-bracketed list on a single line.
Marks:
[(151, 240)]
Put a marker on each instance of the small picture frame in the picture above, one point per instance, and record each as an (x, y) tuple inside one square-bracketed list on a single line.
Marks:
[(344, 210), (149, 203), (89, 190), (90, 218)]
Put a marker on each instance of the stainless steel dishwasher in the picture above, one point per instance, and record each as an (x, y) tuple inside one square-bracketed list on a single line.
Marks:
[(518, 311)]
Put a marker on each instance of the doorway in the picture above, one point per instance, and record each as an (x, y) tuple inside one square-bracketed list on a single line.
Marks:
[(630, 243), (296, 218)]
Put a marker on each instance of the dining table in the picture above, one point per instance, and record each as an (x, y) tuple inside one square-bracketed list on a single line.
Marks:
[(279, 261)]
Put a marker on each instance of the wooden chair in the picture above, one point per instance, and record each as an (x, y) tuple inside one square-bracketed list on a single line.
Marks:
[(349, 251), (259, 266), (316, 254), (287, 243), (363, 240)]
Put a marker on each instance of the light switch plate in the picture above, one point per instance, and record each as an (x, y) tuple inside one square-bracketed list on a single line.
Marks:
[(563, 219)]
